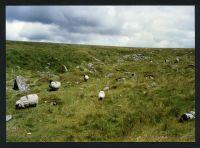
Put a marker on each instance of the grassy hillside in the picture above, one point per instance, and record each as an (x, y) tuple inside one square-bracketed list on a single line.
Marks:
[(143, 107)]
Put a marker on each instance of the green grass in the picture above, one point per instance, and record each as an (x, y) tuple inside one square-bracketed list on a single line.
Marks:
[(131, 111)]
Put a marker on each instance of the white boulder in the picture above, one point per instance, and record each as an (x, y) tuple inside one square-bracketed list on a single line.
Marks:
[(27, 101), (54, 85)]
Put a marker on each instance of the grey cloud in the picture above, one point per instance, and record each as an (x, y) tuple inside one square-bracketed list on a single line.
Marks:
[(68, 18), (111, 25)]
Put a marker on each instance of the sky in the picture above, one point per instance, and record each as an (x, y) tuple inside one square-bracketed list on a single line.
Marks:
[(131, 26)]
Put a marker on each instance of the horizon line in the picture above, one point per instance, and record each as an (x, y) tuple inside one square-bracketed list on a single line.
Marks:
[(101, 45)]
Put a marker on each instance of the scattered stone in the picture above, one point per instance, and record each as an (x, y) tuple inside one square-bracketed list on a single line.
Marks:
[(120, 79), (135, 57), (109, 75), (91, 67), (53, 103), (191, 65), (8, 117), (177, 60), (144, 92), (149, 76), (152, 84), (187, 116), (166, 61), (54, 85), (127, 73), (29, 133), (65, 68), (20, 84), (106, 88)]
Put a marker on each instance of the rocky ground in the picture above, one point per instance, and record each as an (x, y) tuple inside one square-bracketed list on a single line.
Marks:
[(147, 90)]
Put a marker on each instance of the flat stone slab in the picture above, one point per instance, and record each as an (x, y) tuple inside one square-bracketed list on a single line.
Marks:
[(20, 84)]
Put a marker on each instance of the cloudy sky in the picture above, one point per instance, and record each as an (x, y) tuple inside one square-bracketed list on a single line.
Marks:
[(133, 26)]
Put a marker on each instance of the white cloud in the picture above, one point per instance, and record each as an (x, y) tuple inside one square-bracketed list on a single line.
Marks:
[(140, 26)]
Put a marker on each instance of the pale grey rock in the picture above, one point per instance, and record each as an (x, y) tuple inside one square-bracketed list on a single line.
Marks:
[(106, 88), (8, 117), (27, 101), (20, 84), (65, 68)]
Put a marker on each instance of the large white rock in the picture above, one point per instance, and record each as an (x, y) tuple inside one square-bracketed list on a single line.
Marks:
[(20, 84), (26, 101), (54, 85)]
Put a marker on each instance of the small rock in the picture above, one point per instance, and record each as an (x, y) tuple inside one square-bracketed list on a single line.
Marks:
[(65, 68), (120, 79), (29, 133), (177, 60), (53, 103), (150, 76), (77, 67), (191, 65), (54, 85), (106, 88), (90, 65), (166, 61), (8, 117), (144, 92), (153, 84), (109, 75)]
